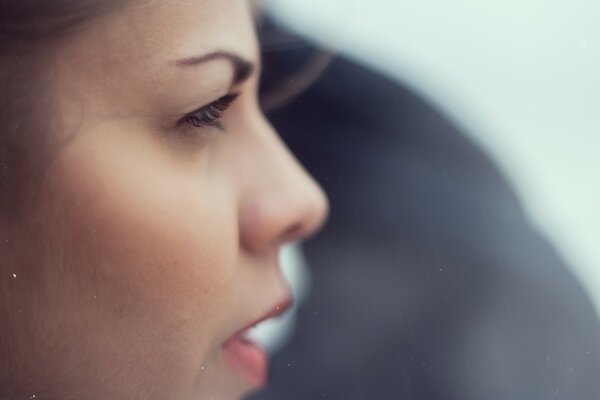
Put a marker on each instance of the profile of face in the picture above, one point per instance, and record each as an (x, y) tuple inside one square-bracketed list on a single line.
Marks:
[(154, 237)]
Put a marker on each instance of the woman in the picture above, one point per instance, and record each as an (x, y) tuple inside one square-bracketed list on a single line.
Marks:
[(143, 200)]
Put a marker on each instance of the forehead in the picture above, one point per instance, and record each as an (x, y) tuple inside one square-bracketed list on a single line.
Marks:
[(126, 57), (146, 36), (181, 27)]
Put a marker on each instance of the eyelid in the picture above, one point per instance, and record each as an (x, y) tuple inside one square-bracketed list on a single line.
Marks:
[(210, 114)]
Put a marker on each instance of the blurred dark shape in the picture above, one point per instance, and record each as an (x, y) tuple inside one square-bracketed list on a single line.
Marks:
[(429, 281)]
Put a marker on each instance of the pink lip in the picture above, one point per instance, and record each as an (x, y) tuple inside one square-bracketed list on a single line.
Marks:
[(246, 358), (276, 311)]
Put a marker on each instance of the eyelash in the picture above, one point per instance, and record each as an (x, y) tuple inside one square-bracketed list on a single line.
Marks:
[(211, 114)]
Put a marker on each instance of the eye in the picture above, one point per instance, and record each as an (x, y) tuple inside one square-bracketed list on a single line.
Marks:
[(210, 114)]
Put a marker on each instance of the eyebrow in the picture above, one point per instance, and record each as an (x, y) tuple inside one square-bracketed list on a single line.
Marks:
[(242, 68)]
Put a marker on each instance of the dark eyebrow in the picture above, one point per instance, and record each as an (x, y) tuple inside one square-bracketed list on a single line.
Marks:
[(243, 69)]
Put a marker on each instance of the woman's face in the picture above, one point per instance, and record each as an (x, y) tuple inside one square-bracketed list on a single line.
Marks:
[(155, 234)]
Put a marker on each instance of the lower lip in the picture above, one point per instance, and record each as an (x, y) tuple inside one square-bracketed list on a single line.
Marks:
[(247, 359)]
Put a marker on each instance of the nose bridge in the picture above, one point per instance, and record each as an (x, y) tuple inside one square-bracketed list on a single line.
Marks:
[(281, 201)]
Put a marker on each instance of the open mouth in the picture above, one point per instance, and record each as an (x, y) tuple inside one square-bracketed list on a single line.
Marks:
[(245, 356)]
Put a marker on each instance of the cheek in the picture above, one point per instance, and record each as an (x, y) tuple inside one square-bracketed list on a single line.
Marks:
[(149, 249), (156, 252)]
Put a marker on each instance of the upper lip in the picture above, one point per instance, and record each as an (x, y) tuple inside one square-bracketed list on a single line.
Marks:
[(275, 311)]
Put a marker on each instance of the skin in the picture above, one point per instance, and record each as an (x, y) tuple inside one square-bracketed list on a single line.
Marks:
[(150, 242)]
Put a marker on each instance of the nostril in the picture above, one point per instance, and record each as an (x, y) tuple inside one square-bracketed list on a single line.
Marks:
[(313, 215), (293, 232)]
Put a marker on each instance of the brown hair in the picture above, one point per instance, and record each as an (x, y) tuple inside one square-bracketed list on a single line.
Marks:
[(31, 20)]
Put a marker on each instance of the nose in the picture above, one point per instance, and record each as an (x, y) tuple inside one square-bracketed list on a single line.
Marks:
[(281, 202)]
